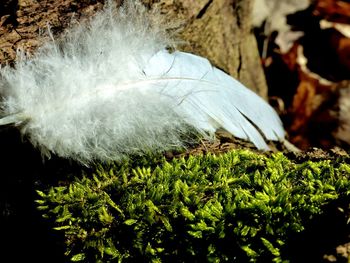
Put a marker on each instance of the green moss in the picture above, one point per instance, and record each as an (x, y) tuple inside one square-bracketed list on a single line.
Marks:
[(235, 207)]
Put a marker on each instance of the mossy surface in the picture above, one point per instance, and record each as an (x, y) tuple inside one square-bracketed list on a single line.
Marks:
[(234, 207)]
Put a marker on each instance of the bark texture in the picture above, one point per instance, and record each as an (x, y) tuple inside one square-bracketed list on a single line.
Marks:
[(217, 29)]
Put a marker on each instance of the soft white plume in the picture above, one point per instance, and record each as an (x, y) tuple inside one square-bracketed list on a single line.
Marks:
[(109, 89)]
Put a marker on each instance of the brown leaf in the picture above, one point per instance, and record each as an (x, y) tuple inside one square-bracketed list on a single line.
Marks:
[(311, 113), (333, 10)]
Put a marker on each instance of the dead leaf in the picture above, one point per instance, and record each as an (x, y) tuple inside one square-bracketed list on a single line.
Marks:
[(343, 131), (274, 13), (340, 27), (333, 10), (311, 113)]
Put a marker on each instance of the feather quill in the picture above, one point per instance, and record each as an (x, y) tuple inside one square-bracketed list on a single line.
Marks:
[(110, 89)]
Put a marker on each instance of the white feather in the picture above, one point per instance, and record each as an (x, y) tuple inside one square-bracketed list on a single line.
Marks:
[(110, 89)]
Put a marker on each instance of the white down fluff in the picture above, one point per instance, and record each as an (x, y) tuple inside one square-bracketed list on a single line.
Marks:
[(109, 89)]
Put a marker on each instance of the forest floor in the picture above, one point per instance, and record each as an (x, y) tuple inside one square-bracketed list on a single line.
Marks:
[(326, 239)]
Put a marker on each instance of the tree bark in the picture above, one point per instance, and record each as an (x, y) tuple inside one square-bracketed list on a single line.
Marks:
[(219, 30)]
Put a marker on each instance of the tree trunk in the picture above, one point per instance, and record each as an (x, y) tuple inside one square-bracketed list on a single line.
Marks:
[(219, 30)]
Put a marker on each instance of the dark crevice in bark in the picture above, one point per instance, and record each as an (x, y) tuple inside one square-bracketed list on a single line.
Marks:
[(204, 9), (9, 8), (238, 10), (240, 61)]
